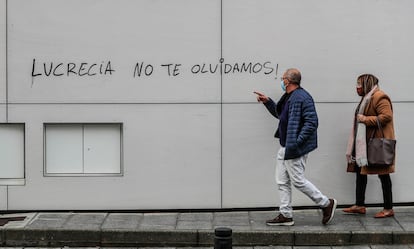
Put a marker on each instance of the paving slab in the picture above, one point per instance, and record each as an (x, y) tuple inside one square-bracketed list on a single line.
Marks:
[(88, 221), (122, 221), (195, 225), (195, 217), (159, 221)]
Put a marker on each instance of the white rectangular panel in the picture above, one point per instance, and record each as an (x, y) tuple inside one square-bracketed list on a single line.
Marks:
[(402, 179), (3, 111), (63, 148), (171, 158), (249, 157), (177, 152), (102, 148), (249, 150), (331, 42), (12, 151), (3, 42), (3, 198), (87, 51)]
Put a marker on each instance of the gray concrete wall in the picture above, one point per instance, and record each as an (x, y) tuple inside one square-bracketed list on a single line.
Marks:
[(198, 140)]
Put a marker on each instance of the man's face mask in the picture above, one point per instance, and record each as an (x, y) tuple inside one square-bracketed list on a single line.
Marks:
[(282, 85)]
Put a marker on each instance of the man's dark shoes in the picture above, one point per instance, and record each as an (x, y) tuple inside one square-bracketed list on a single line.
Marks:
[(329, 211), (280, 220)]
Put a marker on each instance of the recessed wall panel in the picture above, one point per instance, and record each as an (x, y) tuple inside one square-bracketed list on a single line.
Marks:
[(102, 148), (63, 149), (12, 147)]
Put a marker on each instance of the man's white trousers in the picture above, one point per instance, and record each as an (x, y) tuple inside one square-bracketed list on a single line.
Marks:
[(290, 172)]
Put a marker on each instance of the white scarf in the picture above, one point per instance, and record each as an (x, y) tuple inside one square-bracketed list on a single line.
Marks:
[(360, 137)]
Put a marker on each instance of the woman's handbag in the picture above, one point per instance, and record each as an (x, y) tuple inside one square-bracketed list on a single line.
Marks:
[(380, 151)]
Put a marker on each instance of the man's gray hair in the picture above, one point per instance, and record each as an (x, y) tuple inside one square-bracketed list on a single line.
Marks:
[(294, 75)]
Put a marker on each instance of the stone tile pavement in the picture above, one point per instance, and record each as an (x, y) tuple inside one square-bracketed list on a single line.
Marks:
[(196, 229), (238, 247)]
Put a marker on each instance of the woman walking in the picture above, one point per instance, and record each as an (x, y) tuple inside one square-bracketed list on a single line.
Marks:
[(375, 106)]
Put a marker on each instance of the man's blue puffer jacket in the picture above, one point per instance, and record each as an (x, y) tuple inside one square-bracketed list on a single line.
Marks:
[(302, 123)]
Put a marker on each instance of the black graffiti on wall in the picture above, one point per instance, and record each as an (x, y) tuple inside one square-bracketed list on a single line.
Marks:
[(68, 69), (142, 69)]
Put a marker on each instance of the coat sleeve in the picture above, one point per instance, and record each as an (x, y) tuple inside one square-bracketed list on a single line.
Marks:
[(271, 107), (383, 110)]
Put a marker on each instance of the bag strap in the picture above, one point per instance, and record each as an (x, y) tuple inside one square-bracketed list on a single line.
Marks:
[(380, 128)]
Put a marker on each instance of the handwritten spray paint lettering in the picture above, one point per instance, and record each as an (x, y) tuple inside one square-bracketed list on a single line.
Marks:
[(148, 69), (71, 69), (172, 69), (227, 68), (141, 69)]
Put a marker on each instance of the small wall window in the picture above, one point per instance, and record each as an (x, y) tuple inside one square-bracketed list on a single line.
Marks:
[(12, 154), (83, 149)]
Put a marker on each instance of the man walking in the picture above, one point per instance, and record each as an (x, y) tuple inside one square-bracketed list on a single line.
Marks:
[(298, 122)]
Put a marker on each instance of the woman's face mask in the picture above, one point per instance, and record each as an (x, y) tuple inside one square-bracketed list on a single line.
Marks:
[(360, 90)]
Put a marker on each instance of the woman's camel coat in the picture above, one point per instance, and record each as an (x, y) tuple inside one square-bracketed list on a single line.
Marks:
[(380, 106)]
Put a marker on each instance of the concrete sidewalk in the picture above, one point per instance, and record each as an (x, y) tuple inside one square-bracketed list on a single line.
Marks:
[(107, 229)]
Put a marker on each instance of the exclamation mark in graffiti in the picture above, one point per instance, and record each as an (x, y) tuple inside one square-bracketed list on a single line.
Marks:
[(277, 67)]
